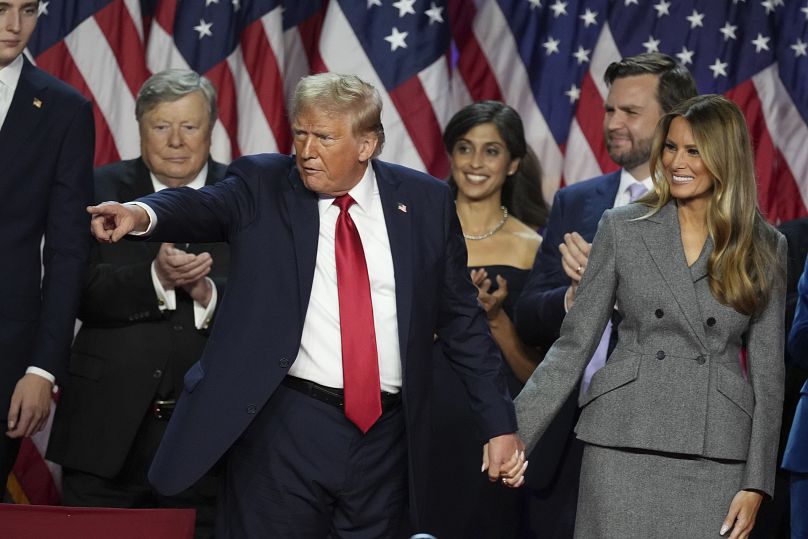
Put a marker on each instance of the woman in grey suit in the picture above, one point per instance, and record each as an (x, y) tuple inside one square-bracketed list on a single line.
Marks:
[(681, 425)]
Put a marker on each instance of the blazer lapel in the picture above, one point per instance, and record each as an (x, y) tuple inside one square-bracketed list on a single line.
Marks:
[(304, 221), (663, 239), (29, 107), (398, 214)]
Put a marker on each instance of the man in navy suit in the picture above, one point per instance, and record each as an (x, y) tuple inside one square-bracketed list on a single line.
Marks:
[(641, 89), (315, 381), (46, 157)]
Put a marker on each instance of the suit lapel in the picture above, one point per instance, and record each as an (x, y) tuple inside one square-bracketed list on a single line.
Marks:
[(398, 214), (663, 239), (24, 116), (304, 221)]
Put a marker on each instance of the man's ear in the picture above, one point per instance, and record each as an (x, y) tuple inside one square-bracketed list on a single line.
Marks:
[(368, 143)]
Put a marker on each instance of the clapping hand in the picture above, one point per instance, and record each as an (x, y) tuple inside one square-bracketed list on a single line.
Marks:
[(490, 301)]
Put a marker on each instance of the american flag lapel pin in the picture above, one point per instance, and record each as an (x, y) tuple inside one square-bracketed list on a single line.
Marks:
[(37, 103), (402, 207)]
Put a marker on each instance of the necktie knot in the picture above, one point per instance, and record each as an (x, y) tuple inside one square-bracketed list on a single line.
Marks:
[(343, 202), (635, 191)]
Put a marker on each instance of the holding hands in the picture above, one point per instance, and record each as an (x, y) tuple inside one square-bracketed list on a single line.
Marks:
[(504, 459)]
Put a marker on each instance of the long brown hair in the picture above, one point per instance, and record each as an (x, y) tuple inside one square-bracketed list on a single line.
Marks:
[(745, 244)]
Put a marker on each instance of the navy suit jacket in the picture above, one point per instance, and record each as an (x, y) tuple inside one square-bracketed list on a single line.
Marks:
[(46, 158), (796, 454), (540, 308), (271, 221)]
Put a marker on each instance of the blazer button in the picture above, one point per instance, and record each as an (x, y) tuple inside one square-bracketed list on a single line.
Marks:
[(177, 327), (711, 321), (283, 363), (251, 409), (701, 360), (659, 313), (157, 374), (660, 355)]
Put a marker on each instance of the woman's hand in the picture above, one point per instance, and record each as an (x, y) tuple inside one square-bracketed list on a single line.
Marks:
[(491, 302), (742, 513)]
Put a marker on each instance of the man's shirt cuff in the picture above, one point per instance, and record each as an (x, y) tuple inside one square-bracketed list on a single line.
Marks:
[(44, 374)]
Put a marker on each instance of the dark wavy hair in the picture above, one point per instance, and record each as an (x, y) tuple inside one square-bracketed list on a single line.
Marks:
[(521, 192)]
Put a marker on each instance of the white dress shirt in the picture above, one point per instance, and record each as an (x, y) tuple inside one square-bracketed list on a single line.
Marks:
[(9, 77), (320, 357), (626, 180)]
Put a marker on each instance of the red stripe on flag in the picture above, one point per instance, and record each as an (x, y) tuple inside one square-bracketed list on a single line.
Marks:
[(590, 115), (34, 475), (419, 118), (116, 23), (222, 78), (310, 30), (778, 195), (472, 63), (165, 14), (262, 65), (58, 62)]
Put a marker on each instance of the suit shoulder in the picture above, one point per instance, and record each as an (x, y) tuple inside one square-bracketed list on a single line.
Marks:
[(113, 179), (411, 176), (264, 162), (585, 187), (67, 94)]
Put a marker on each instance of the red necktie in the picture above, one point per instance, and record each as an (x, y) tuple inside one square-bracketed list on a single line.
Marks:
[(360, 361)]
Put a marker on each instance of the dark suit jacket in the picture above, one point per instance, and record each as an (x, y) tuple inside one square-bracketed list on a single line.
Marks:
[(128, 351), (540, 309), (46, 159), (796, 453), (272, 224)]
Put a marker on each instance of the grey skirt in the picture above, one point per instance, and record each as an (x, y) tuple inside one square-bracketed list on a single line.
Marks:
[(628, 493)]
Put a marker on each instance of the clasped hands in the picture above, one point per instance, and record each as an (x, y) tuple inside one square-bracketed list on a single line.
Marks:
[(179, 269), (504, 459)]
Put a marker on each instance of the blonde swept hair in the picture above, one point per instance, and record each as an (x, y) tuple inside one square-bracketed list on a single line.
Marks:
[(342, 94), (744, 243)]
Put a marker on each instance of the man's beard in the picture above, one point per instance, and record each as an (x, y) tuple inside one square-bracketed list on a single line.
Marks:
[(639, 153)]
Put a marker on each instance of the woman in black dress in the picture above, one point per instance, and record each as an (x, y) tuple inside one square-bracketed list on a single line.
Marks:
[(497, 181)]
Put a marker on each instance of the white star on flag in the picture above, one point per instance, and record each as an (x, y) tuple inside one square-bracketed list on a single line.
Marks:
[(551, 45), (761, 43), (559, 8), (729, 31), (434, 13), (574, 93), (203, 28), (800, 48), (589, 18), (404, 7), (662, 8), (685, 57), (582, 55), (652, 45), (43, 9), (719, 68), (209, 2), (534, 3), (696, 19), (372, 3), (396, 39)]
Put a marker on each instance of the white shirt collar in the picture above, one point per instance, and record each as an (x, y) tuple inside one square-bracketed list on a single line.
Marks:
[(196, 183), (627, 179), (362, 192), (10, 75)]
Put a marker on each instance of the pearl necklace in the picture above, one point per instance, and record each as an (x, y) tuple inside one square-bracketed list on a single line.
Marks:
[(497, 228)]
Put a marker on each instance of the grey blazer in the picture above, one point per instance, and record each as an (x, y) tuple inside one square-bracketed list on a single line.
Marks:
[(674, 382)]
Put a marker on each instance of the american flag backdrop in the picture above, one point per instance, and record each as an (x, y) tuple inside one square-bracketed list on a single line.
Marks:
[(429, 58)]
